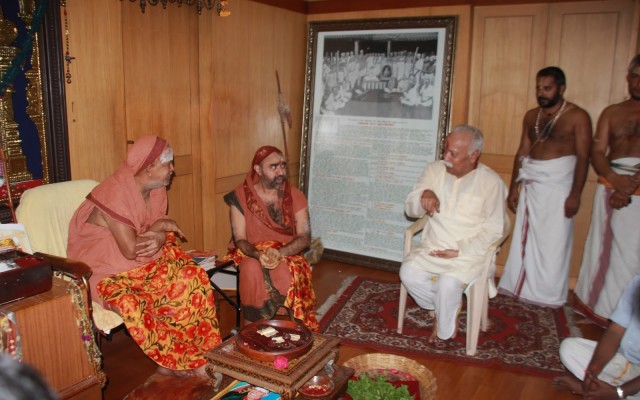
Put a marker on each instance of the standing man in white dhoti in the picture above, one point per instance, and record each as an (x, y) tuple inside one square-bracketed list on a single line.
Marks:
[(466, 204), (612, 251), (549, 172)]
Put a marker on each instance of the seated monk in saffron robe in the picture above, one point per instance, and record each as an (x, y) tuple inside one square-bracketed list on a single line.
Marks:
[(270, 224), (122, 231)]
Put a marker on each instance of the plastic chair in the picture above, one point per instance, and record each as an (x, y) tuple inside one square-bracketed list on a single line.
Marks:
[(478, 291), (45, 211)]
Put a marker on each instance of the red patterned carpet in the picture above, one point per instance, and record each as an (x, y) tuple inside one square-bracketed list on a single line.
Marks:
[(520, 337)]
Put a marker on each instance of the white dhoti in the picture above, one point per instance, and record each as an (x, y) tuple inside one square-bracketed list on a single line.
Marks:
[(537, 268), (576, 354), (611, 253)]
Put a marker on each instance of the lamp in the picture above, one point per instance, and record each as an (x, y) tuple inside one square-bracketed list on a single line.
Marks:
[(219, 5)]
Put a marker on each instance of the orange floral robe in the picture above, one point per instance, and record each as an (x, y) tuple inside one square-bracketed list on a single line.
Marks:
[(168, 307)]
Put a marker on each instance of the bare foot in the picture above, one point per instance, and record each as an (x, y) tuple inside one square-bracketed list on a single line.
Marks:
[(567, 383)]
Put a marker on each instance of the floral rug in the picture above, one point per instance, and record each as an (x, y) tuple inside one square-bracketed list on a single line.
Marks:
[(521, 337)]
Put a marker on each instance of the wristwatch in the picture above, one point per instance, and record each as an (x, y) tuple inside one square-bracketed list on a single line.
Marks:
[(620, 392)]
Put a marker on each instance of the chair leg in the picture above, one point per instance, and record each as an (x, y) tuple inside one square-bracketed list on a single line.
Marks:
[(476, 297), (402, 304)]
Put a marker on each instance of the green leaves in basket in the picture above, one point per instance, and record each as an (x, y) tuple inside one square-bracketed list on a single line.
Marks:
[(366, 388)]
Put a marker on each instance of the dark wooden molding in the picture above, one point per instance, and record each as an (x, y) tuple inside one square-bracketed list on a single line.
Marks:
[(54, 95), (337, 6), (292, 5)]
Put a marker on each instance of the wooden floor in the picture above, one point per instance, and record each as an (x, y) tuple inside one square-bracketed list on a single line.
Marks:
[(128, 368)]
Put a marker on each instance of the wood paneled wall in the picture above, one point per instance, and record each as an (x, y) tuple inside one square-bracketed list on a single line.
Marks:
[(208, 85)]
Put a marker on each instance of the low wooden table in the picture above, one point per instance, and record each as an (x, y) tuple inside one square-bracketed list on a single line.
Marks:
[(228, 360)]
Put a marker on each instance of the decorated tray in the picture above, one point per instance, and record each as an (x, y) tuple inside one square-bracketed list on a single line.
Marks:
[(265, 340)]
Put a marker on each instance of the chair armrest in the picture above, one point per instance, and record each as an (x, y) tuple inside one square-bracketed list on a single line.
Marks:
[(75, 270), (411, 231)]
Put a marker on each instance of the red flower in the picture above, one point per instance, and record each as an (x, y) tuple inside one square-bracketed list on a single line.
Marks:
[(204, 328), (165, 311), (137, 334), (176, 290), (162, 331), (181, 314), (191, 332), (190, 271), (128, 304), (197, 299), (179, 348), (169, 361), (149, 322)]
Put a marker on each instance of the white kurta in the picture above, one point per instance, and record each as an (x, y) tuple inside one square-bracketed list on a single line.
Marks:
[(612, 251), (471, 220), (537, 268)]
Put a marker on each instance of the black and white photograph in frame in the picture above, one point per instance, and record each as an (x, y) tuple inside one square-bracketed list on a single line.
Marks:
[(376, 112)]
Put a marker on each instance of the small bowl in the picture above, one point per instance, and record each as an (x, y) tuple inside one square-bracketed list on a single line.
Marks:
[(317, 387)]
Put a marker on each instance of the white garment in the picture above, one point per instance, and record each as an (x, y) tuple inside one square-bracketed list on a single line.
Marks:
[(471, 220), (576, 354), (612, 250), (537, 268)]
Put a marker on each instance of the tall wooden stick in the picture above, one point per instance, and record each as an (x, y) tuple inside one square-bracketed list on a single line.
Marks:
[(285, 113)]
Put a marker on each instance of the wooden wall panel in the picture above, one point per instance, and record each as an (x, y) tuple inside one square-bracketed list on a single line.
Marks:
[(161, 95), (95, 96), (506, 53)]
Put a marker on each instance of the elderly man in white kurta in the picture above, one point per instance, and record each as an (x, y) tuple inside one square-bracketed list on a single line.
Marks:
[(466, 204)]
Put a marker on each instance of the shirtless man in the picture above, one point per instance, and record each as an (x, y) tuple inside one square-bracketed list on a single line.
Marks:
[(549, 172), (611, 259)]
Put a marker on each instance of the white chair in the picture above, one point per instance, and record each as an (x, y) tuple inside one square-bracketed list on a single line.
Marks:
[(45, 211), (478, 291)]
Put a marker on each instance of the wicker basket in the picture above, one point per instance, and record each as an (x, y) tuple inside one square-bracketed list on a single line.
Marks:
[(372, 361)]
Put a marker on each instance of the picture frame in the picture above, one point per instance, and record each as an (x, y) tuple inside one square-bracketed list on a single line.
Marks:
[(376, 112)]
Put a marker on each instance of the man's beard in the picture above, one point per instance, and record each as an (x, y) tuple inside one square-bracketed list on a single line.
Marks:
[(275, 183), (548, 103)]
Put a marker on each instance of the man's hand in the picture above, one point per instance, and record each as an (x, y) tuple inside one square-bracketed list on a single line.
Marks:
[(149, 243), (168, 225), (571, 205), (512, 199), (619, 200), (430, 202), (599, 390), (625, 184), (270, 258), (448, 253)]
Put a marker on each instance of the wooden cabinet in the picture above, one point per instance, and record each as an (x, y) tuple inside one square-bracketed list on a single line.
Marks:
[(53, 343)]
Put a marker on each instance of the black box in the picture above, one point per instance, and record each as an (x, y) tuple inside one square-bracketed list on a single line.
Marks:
[(28, 275)]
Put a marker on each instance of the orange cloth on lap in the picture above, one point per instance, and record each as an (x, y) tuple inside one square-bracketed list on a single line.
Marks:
[(168, 307)]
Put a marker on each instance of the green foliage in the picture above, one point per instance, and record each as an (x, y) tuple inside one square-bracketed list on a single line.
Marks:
[(366, 388)]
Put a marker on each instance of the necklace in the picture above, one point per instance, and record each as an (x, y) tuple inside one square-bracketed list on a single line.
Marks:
[(543, 135)]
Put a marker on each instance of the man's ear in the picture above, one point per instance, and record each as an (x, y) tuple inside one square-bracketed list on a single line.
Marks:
[(474, 156), (257, 169), (562, 89)]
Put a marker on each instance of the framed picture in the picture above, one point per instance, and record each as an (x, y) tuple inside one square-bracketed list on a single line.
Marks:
[(376, 111)]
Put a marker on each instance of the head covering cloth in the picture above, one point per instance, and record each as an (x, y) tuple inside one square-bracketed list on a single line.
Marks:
[(257, 207), (119, 195)]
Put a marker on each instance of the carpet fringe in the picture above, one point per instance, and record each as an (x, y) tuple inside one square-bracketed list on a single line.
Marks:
[(331, 300)]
